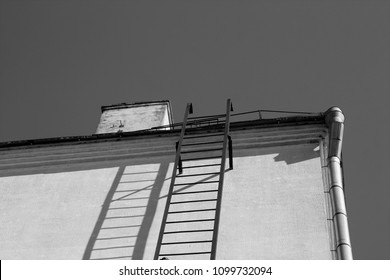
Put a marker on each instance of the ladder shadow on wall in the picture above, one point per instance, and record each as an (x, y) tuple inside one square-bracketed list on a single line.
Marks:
[(123, 226), (126, 216)]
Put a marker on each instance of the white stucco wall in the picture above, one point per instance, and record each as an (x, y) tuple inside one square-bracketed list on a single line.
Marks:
[(274, 206), (50, 215), (105, 199)]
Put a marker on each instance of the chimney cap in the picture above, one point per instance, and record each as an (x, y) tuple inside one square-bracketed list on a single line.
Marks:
[(134, 104)]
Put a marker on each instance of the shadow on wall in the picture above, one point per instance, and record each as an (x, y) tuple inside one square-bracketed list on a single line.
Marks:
[(126, 217), (125, 220), (129, 208), (127, 213), (291, 156)]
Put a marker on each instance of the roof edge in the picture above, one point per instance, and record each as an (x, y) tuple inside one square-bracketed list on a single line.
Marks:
[(293, 120)]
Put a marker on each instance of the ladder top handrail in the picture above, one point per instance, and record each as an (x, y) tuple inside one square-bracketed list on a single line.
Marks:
[(220, 117)]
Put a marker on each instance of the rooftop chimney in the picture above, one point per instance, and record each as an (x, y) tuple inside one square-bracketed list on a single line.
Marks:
[(136, 116)]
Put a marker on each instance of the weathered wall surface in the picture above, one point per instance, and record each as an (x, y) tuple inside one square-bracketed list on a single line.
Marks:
[(84, 201), (280, 193), (105, 200), (51, 215), (134, 117)]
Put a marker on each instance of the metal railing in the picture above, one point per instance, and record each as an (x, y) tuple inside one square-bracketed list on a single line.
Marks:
[(209, 120)]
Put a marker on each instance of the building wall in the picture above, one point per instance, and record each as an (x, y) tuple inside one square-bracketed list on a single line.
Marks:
[(105, 199), (280, 193)]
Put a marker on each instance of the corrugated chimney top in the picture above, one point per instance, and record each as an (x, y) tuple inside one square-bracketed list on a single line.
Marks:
[(126, 117)]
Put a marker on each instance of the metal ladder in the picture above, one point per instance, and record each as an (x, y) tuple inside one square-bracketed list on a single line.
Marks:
[(191, 217)]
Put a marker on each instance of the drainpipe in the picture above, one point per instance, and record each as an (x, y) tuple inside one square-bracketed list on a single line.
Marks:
[(334, 119)]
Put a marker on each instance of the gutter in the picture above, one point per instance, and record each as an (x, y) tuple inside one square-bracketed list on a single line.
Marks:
[(334, 119)]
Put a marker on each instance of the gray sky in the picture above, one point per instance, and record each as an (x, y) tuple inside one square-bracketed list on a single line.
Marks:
[(61, 60)]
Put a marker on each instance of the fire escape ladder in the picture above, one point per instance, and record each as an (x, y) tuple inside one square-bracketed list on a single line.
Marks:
[(191, 216)]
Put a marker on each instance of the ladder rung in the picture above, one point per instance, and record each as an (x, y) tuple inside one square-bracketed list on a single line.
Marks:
[(201, 143), (186, 242), (201, 158), (190, 211), (201, 151), (190, 221), (193, 201), (204, 135), (188, 231), (177, 193), (183, 254), (195, 183), (198, 174), (200, 166)]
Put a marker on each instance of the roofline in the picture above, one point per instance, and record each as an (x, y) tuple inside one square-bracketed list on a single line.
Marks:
[(283, 121)]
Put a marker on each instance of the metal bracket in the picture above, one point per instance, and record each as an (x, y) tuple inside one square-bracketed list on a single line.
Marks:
[(230, 152), (180, 166)]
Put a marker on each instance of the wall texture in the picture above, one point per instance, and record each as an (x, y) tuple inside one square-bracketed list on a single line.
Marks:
[(104, 199)]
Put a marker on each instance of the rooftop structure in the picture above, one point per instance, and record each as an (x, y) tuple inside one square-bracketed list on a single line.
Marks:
[(134, 117)]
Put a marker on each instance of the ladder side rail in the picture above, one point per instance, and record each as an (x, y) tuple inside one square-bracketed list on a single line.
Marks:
[(220, 184), (175, 167)]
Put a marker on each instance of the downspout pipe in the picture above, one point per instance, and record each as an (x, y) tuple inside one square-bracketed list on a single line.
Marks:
[(334, 119)]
